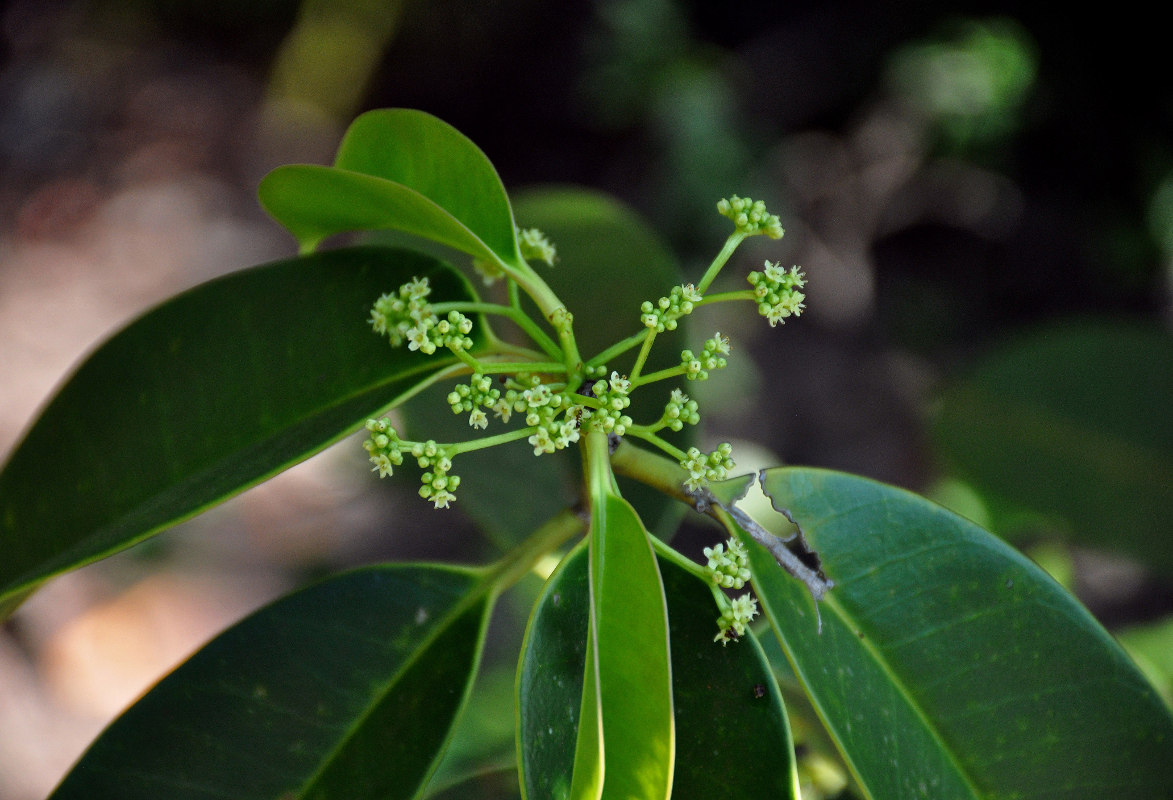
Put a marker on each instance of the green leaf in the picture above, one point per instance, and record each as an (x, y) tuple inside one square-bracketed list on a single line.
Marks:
[(550, 680), (732, 735), (348, 688), (631, 647), (949, 665), (1073, 420), (212, 392), (403, 170), (729, 741)]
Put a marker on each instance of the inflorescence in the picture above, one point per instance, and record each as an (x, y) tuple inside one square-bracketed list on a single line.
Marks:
[(728, 568), (559, 397), (559, 402)]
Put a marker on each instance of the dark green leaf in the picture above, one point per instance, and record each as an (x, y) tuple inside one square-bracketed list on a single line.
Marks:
[(949, 665), (346, 689), (729, 741), (1074, 421), (403, 170), (550, 680), (212, 392)]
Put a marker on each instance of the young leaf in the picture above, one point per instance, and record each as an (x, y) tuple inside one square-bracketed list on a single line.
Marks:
[(631, 649), (348, 688), (730, 741), (404, 170), (212, 392), (949, 665)]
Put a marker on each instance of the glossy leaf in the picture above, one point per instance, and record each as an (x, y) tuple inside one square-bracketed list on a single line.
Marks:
[(212, 392), (1073, 420), (634, 662), (348, 688), (949, 665), (403, 170), (729, 741)]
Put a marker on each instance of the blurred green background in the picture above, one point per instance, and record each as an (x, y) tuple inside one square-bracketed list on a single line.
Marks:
[(980, 194)]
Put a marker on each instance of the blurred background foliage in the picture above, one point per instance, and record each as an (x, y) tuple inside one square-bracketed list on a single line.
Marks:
[(981, 195)]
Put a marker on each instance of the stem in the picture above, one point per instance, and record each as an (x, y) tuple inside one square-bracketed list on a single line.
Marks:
[(473, 364), (520, 560), (497, 367), (600, 480), (724, 297), (671, 372), (649, 337), (618, 348), (513, 313), (498, 346), (651, 438), (490, 441), (549, 303), (659, 473), (666, 552), (735, 239)]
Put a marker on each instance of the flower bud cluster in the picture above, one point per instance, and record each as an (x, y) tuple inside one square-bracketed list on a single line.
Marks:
[(751, 217), (705, 467), (554, 415), (613, 398), (680, 411), (384, 446), (407, 316), (396, 313), (735, 618), (663, 314), (696, 368), (535, 246), (728, 569), (438, 485), (777, 292), (473, 399), (387, 450), (432, 333)]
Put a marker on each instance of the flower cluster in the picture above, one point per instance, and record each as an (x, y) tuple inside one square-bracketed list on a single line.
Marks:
[(728, 568), (612, 395), (703, 468), (534, 245), (750, 216), (777, 292), (407, 315), (552, 413), (663, 314), (438, 484), (680, 411), (397, 313), (733, 619), (696, 368), (474, 398), (384, 446), (387, 450), (565, 397)]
